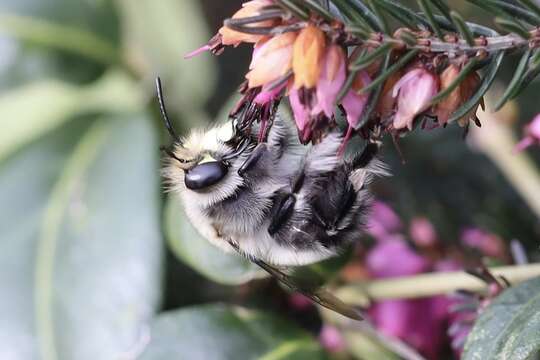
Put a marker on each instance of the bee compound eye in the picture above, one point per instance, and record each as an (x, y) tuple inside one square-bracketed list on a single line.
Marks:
[(205, 175)]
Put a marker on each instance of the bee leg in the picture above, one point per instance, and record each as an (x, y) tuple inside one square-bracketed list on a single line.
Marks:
[(283, 210), (253, 158)]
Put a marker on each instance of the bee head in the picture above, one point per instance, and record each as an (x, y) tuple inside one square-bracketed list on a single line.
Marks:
[(204, 156)]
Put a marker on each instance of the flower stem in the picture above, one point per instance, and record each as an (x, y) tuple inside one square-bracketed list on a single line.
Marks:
[(429, 284)]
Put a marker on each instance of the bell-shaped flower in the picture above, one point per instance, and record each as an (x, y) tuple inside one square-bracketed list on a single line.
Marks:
[(249, 9), (308, 56), (447, 106), (271, 60), (532, 135), (269, 92), (422, 232), (414, 92), (331, 80)]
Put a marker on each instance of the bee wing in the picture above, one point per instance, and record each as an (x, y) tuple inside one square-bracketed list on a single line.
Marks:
[(319, 295)]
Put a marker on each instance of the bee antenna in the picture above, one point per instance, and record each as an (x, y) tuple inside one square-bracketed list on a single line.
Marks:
[(163, 111)]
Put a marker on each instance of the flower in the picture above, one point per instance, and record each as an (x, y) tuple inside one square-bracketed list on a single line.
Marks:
[(487, 243), (249, 9), (383, 221), (271, 60), (301, 108), (331, 80), (331, 339), (354, 105), (447, 106), (387, 101), (308, 56), (414, 92), (422, 232), (532, 135), (395, 258)]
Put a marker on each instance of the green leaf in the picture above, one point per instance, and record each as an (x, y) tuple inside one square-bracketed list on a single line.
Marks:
[(81, 244), (63, 37), (158, 34), (509, 328), (199, 254), (32, 110), (218, 332), (515, 84)]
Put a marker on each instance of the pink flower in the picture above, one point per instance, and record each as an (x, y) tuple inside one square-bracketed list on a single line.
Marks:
[(331, 80), (395, 258), (331, 339), (415, 91), (269, 93), (271, 60), (300, 302), (422, 232), (487, 243), (532, 135), (383, 221)]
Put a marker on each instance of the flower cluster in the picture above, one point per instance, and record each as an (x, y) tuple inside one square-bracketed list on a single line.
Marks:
[(313, 63), (427, 324)]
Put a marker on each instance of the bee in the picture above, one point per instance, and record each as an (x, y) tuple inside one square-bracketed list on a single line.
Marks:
[(276, 201)]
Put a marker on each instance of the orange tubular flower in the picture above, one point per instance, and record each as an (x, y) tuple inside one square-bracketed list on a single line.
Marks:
[(249, 9), (308, 56), (271, 60), (457, 97)]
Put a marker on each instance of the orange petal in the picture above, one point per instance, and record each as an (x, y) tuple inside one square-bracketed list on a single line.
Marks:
[(307, 57)]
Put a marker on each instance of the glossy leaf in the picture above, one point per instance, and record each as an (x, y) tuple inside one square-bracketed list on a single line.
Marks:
[(509, 328), (32, 110), (81, 244), (159, 34), (218, 332), (199, 254)]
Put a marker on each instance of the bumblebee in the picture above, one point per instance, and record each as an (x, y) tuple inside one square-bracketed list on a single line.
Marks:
[(273, 200)]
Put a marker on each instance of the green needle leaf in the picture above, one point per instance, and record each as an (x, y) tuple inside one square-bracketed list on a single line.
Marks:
[(516, 81), (365, 12), (367, 59), (512, 26), (531, 6), (293, 7), (319, 9), (403, 60), (516, 11), (443, 8), (486, 83), (462, 27), (426, 8), (399, 16)]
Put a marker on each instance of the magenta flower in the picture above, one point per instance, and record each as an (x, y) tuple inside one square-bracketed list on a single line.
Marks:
[(300, 302), (383, 221), (532, 135), (394, 258), (422, 232), (487, 243), (414, 91), (331, 339), (269, 93)]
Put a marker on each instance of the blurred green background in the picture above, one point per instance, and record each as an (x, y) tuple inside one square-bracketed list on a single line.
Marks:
[(96, 262)]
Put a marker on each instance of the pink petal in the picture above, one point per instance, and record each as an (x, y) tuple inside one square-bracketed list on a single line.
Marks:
[(198, 51), (422, 232), (394, 258), (534, 128), (524, 144), (301, 112), (331, 339), (328, 90), (383, 221), (265, 96)]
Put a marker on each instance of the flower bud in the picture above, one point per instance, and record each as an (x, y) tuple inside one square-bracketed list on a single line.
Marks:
[(271, 60), (308, 56), (414, 92), (249, 9)]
